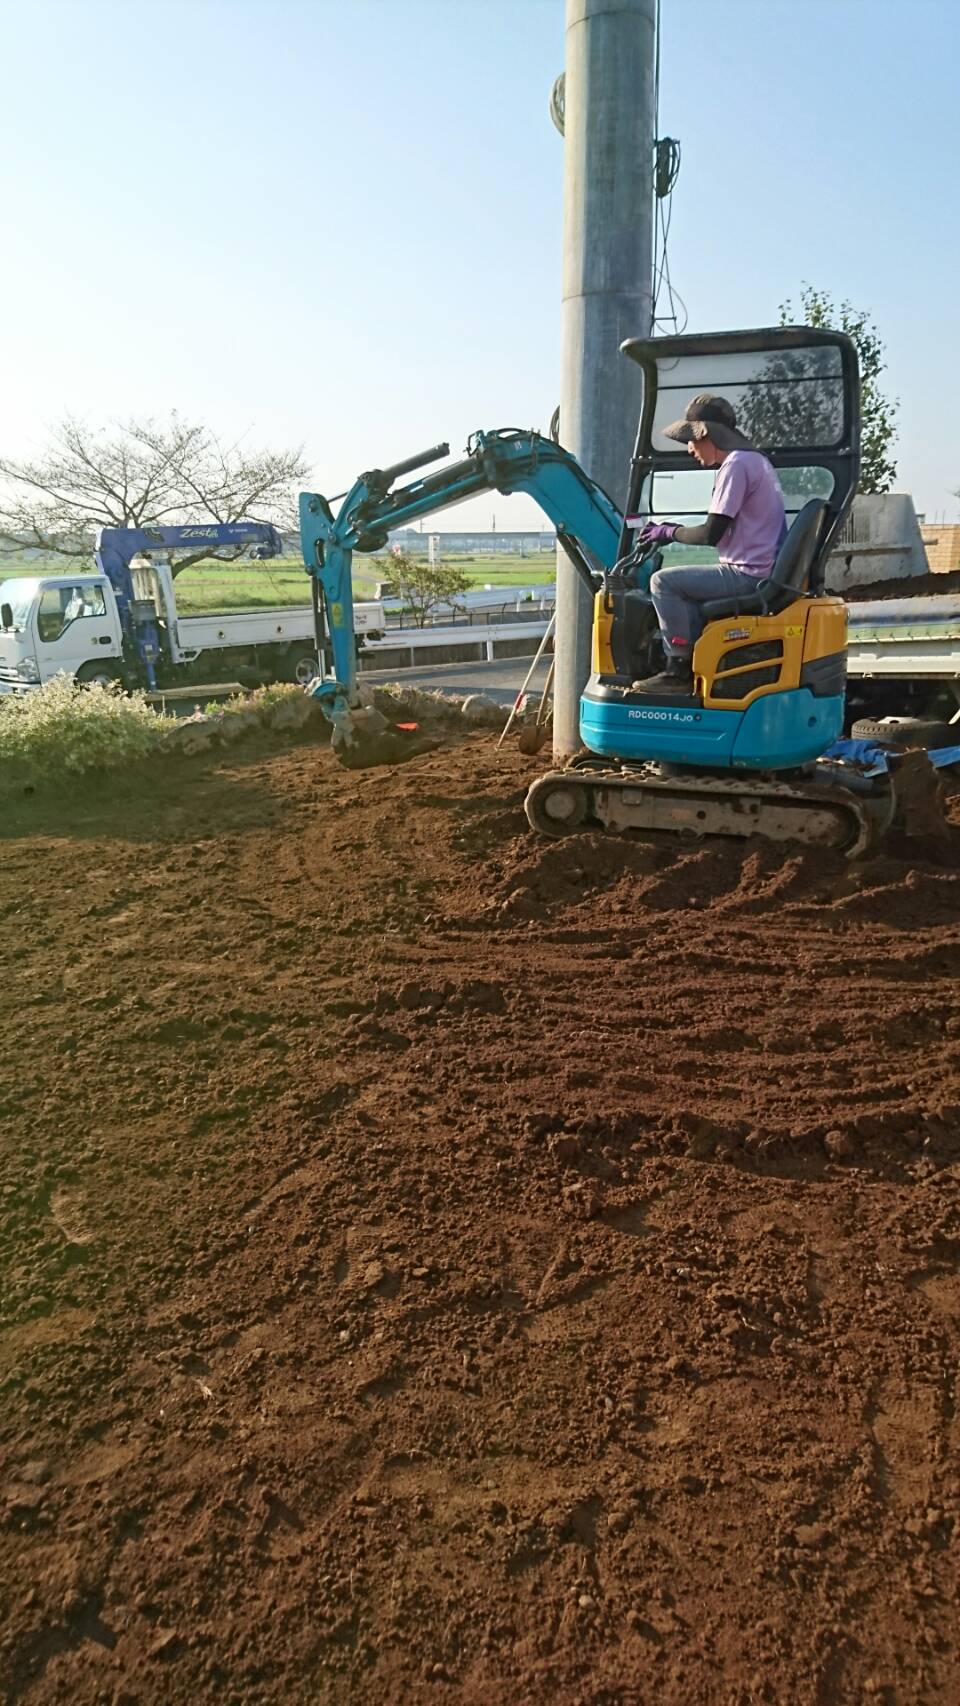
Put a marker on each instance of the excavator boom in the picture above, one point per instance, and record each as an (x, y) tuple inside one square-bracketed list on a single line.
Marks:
[(589, 527)]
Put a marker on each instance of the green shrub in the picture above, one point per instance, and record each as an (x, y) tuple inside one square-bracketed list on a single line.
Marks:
[(261, 698), (62, 730)]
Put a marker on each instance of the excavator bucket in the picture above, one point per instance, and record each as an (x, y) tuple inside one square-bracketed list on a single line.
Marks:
[(364, 738)]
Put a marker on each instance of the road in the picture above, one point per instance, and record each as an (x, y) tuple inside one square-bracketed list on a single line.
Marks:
[(501, 680)]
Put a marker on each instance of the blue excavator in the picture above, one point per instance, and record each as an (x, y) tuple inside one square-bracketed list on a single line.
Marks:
[(742, 753)]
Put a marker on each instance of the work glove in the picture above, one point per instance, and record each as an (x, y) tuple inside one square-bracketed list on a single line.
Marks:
[(658, 533)]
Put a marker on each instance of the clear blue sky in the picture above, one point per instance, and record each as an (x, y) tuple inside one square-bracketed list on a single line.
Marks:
[(339, 221)]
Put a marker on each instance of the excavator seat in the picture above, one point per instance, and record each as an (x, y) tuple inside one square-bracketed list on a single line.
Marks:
[(788, 579)]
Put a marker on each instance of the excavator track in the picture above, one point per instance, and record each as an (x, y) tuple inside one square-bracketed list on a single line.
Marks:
[(592, 795)]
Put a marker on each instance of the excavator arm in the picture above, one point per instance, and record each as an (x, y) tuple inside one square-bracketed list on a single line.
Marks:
[(589, 527)]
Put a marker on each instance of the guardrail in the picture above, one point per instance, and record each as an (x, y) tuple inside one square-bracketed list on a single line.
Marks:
[(514, 639), (480, 617)]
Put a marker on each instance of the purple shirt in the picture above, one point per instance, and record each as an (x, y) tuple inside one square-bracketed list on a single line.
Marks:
[(747, 489)]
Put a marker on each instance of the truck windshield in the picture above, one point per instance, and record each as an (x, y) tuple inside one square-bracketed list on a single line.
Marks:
[(19, 594)]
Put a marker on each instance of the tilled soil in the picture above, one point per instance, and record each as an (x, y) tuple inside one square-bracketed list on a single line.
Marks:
[(935, 584), (446, 1266)]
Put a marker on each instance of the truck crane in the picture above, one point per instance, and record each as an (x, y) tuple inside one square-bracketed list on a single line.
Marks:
[(115, 549), (122, 623)]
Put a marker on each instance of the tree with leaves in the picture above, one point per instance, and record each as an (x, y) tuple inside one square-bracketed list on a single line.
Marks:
[(141, 474), (878, 413), (425, 586)]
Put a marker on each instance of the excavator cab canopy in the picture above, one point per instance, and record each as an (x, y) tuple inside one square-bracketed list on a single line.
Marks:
[(795, 391)]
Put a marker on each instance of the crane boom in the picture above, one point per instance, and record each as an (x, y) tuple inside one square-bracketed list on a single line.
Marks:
[(116, 547)]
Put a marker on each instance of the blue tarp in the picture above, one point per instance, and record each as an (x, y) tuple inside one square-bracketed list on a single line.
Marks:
[(874, 757)]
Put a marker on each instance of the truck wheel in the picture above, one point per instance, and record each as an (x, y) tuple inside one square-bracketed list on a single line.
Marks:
[(97, 674), (907, 731), (300, 665)]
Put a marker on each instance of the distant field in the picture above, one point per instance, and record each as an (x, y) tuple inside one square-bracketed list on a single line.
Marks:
[(246, 585), (283, 580)]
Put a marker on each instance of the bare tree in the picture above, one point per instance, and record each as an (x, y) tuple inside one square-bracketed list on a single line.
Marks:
[(141, 474)]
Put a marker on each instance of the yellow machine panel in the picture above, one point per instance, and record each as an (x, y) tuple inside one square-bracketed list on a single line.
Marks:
[(739, 658), (602, 661)]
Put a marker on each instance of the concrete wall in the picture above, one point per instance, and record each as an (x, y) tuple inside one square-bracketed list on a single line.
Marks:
[(879, 541)]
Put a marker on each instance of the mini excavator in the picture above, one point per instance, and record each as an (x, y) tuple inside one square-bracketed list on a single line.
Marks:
[(743, 754)]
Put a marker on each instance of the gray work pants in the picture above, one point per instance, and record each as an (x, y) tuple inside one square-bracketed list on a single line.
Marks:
[(678, 594)]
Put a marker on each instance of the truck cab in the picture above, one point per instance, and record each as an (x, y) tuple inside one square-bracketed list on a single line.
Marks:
[(57, 624)]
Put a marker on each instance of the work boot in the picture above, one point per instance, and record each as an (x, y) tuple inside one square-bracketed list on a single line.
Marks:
[(676, 678)]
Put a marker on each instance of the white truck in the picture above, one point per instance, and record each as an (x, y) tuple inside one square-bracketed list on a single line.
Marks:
[(122, 624)]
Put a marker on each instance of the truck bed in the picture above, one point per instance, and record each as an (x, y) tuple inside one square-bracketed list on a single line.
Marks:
[(904, 636), (908, 616), (278, 626), (245, 628)]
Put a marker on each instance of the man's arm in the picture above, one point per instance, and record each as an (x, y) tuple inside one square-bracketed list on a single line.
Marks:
[(729, 490), (709, 532)]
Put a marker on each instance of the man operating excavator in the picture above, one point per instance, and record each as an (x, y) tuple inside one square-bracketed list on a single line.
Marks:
[(745, 521)]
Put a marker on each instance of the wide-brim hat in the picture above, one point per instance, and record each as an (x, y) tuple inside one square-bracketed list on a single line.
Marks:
[(710, 417)]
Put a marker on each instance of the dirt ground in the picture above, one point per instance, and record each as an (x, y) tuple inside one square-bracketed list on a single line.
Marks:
[(939, 584), (442, 1266)]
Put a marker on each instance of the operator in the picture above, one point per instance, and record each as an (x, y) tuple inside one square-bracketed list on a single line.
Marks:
[(746, 520)]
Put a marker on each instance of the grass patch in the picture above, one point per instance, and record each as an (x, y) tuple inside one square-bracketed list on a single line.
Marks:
[(245, 585), (281, 581)]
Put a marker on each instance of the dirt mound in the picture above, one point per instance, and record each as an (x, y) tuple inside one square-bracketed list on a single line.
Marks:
[(444, 1264), (536, 879), (945, 585)]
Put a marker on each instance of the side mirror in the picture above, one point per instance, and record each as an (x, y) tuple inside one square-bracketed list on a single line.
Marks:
[(6, 615)]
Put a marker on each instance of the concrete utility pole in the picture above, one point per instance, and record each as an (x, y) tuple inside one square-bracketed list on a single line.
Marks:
[(608, 118)]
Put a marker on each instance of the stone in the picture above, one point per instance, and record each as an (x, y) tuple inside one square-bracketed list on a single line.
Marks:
[(480, 996), (812, 1534), (839, 1145), (290, 713), (36, 1473), (236, 724), (580, 1200), (481, 709), (194, 734), (165, 1644)]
